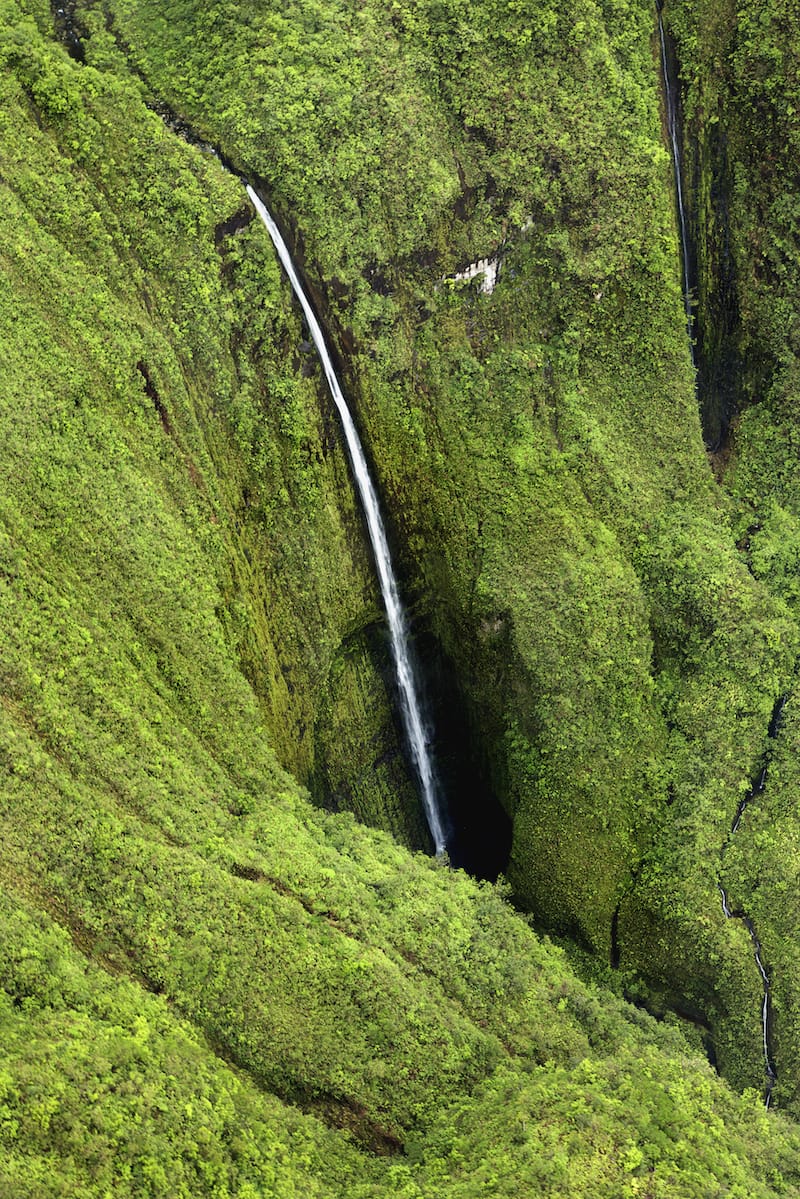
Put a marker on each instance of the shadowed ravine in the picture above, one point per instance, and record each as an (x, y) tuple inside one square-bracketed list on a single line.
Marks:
[(673, 129), (670, 92), (460, 829)]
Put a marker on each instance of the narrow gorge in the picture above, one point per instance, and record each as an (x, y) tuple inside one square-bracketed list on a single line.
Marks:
[(670, 81)]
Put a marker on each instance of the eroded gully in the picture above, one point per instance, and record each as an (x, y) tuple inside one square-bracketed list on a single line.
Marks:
[(669, 82), (757, 789)]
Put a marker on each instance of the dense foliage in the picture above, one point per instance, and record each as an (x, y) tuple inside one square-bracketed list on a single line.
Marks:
[(208, 985), (739, 71), (539, 447)]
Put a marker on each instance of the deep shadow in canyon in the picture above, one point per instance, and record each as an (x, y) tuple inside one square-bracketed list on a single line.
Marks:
[(703, 187), (479, 828)]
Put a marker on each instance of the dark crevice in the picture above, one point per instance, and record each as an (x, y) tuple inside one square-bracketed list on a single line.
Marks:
[(692, 1016), (759, 781), (689, 1015), (335, 1111), (674, 130), (479, 828), (710, 294), (349, 1116), (252, 874), (715, 327), (719, 365), (240, 220), (776, 720), (68, 29), (151, 391)]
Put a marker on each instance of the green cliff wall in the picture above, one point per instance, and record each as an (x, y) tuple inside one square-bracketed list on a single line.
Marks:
[(739, 70), (540, 449), (195, 395), (209, 985)]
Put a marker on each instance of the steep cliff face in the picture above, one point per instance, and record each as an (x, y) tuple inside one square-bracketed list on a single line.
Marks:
[(199, 360), (536, 430), (193, 624), (739, 71)]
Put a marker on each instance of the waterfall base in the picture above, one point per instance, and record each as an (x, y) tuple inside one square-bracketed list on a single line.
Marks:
[(479, 828)]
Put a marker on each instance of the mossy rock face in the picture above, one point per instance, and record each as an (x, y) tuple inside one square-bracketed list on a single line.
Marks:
[(209, 985), (741, 136), (359, 755), (157, 384), (537, 443), (559, 534)]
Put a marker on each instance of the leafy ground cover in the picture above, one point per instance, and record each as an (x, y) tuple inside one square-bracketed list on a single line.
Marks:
[(209, 985), (539, 447)]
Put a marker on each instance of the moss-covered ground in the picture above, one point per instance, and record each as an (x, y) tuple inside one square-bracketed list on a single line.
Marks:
[(210, 985)]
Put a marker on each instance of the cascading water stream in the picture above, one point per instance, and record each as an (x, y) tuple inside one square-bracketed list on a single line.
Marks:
[(769, 1068), (410, 708), (757, 789), (401, 651), (677, 165)]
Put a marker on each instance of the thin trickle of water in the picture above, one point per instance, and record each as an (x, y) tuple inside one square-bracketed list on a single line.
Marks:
[(677, 163), (760, 783), (769, 1069), (726, 909), (404, 668), (758, 787), (772, 1077)]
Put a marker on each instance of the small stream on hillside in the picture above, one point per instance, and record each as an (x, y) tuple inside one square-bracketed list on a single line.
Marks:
[(757, 789), (670, 92)]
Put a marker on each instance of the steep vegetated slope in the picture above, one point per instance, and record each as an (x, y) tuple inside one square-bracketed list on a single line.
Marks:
[(739, 65), (210, 986), (172, 367), (539, 446)]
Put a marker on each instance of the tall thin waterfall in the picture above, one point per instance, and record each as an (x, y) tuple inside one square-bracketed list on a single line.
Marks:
[(398, 628), (674, 137)]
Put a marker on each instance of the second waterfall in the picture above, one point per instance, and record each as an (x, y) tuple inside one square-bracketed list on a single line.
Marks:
[(410, 707)]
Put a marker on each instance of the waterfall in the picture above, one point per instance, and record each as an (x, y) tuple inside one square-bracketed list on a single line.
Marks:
[(401, 650), (675, 144)]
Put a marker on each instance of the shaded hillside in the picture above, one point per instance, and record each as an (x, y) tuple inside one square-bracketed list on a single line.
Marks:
[(539, 447), (208, 984), (739, 72)]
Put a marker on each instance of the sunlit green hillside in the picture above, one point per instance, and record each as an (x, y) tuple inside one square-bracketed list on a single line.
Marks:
[(228, 965)]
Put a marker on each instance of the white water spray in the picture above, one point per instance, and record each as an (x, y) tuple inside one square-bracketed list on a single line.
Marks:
[(398, 629)]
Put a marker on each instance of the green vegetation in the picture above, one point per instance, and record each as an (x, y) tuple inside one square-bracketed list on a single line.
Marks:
[(209, 985), (174, 375), (539, 447), (739, 72)]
